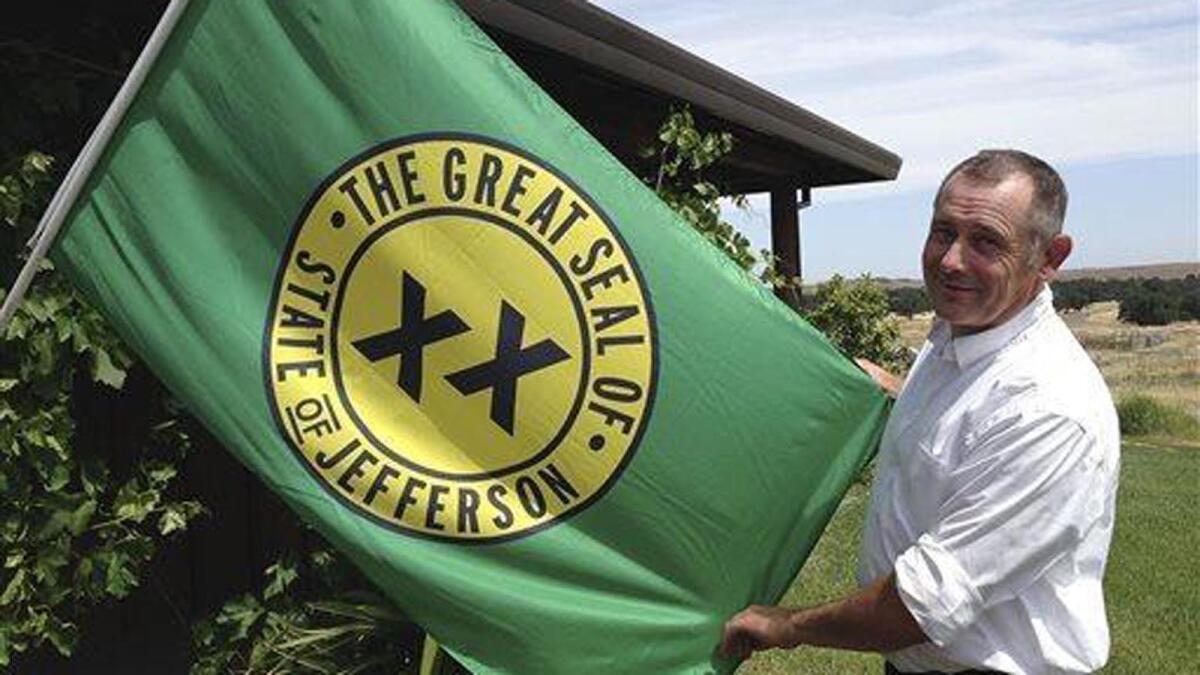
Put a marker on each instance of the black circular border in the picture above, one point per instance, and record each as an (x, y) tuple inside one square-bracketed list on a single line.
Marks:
[(580, 318), (280, 272)]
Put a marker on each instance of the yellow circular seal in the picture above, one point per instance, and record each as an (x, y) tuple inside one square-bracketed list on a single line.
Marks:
[(459, 345)]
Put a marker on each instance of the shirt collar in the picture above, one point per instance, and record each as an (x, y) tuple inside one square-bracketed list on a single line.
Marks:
[(968, 349)]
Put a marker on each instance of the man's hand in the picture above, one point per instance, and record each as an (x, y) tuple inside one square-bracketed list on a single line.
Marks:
[(872, 620), (887, 381), (756, 628)]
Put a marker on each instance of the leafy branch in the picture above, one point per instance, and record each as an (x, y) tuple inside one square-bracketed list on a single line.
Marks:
[(311, 615), (686, 156), (74, 532)]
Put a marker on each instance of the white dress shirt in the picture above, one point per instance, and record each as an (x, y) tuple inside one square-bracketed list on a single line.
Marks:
[(994, 497)]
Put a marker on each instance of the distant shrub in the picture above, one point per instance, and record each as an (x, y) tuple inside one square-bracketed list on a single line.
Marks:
[(1146, 302), (1147, 307), (907, 301), (1079, 293), (1145, 416)]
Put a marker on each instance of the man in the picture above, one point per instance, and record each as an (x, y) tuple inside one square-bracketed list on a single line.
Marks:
[(992, 508)]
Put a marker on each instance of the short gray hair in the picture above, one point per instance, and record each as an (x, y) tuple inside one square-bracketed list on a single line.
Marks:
[(1047, 210)]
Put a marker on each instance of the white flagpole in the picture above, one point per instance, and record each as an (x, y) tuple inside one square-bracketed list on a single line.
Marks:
[(64, 198)]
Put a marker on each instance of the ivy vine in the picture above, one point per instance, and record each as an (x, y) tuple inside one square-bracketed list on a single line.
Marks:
[(75, 532)]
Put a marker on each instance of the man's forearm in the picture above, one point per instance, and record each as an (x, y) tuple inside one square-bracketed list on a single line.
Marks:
[(888, 381), (873, 619)]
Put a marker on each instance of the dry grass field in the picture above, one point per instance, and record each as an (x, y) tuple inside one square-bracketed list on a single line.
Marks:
[(1162, 362)]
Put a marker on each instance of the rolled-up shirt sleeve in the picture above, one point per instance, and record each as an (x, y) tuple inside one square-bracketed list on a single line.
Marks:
[(1027, 489)]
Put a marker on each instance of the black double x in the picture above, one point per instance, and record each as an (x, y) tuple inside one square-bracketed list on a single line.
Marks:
[(511, 362), (411, 338)]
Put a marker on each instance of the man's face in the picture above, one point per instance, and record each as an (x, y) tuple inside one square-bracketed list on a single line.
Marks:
[(976, 259)]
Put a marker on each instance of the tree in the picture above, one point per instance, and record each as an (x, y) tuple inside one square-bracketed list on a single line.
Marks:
[(1150, 305), (908, 301), (1189, 292), (855, 315)]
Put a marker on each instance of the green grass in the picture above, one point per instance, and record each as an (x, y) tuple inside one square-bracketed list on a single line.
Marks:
[(1142, 415), (1151, 588)]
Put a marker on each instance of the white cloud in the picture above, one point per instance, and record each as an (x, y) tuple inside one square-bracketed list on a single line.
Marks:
[(1072, 81)]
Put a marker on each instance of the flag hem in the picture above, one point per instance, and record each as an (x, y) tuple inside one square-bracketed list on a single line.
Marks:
[(81, 170)]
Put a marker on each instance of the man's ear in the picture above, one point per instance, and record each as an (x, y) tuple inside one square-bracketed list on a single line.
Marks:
[(1057, 252)]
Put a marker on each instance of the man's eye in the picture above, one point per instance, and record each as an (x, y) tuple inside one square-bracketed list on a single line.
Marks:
[(942, 235), (988, 244)]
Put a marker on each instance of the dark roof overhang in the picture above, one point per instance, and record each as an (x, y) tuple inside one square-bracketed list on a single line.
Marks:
[(619, 81)]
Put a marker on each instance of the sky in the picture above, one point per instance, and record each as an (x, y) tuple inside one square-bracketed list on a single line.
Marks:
[(1106, 91)]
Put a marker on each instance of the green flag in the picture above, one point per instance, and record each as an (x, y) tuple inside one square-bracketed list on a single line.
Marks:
[(552, 423)]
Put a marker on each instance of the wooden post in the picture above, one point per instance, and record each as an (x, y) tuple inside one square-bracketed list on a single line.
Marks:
[(785, 239)]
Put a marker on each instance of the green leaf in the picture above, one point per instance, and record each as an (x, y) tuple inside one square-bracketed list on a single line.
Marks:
[(323, 558), (59, 473), (281, 575), (16, 588), (133, 504), (38, 162), (105, 371), (160, 473), (136, 547), (50, 560), (63, 635), (66, 513), (172, 519), (93, 475), (240, 614), (14, 558), (119, 578), (90, 576), (81, 517)]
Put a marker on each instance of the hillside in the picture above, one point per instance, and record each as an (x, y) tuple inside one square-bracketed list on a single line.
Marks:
[(1163, 271), (1177, 270)]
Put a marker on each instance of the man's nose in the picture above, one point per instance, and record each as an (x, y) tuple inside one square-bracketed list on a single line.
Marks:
[(954, 259)]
